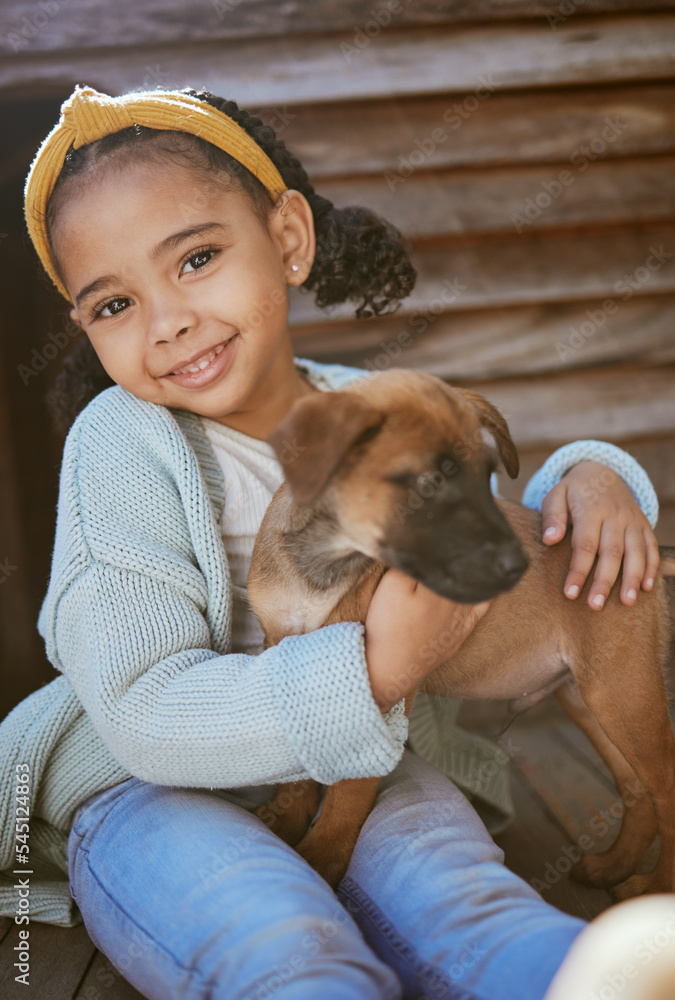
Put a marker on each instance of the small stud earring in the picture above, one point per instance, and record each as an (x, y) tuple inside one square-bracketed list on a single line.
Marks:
[(294, 267)]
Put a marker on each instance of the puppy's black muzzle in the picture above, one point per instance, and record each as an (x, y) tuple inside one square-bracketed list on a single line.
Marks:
[(467, 554), (483, 573)]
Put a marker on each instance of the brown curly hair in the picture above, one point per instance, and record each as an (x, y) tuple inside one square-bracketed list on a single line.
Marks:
[(360, 257)]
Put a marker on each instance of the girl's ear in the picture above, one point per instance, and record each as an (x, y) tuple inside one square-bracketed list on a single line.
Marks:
[(292, 226)]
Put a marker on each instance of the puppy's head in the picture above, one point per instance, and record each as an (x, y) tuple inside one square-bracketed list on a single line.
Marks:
[(401, 465)]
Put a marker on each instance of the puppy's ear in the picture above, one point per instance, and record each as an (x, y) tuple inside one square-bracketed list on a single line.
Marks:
[(492, 420), (311, 441)]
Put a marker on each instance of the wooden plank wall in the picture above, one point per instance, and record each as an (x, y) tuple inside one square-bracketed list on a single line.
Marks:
[(525, 148)]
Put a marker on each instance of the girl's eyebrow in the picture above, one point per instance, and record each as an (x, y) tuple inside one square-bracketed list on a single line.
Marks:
[(173, 241), (170, 243), (94, 286)]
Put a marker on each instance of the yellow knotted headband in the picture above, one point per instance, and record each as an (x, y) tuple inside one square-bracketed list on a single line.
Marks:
[(88, 115)]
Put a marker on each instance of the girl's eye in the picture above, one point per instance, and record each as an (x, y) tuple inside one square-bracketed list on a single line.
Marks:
[(113, 306), (198, 260)]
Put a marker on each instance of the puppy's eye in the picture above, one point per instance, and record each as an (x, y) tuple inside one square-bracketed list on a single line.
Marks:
[(428, 481), (402, 478), (422, 482), (368, 434)]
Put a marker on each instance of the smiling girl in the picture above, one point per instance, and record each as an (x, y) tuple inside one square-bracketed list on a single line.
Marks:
[(174, 223)]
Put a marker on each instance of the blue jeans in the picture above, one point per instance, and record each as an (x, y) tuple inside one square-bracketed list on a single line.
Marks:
[(190, 896)]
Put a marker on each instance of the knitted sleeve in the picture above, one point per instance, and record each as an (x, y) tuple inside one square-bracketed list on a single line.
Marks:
[(127, 620), (619, 461), (173, 711)]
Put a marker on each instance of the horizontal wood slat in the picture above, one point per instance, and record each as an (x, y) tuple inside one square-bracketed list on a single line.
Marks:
[(615, 405), (512, 200), (102, 980), (502, 342), (397, 63), (536, 126), (70, 23), (532, 267), (50, 976)]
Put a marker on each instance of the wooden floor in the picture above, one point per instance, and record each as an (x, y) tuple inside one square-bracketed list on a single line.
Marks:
[(559, 786)]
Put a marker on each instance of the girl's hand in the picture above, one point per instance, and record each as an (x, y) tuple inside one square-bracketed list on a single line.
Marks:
[(410, 631), (606, 520)]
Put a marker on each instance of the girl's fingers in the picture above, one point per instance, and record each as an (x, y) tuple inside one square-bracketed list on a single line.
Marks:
[(554, 514), (610, 554), (653, 559), (585, 541), (634, 563)]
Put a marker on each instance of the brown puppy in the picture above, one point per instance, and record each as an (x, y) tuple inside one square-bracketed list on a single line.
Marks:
[(394, 472)]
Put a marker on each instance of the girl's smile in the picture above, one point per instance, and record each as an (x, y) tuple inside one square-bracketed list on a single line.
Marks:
[(183, 292), (200, 371)]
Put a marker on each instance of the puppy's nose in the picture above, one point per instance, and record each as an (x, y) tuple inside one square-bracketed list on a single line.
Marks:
[(511, 563)]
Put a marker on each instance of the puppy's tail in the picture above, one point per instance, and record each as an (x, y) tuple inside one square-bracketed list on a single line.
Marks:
[(667, 564)]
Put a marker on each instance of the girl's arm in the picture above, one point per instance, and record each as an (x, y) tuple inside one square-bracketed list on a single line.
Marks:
[(173, 711), (128, 619)]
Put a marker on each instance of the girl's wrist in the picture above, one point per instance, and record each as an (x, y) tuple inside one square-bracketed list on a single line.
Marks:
[(392, 674)]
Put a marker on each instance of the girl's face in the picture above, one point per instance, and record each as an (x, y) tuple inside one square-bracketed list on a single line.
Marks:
[(168, 269)]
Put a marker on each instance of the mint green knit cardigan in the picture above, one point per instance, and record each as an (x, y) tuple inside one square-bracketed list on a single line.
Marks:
[(137, 621)]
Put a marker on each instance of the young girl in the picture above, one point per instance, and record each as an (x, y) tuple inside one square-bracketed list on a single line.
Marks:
[(174, 222)]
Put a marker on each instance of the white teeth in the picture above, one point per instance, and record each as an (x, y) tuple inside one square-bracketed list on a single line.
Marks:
[(201, 363)]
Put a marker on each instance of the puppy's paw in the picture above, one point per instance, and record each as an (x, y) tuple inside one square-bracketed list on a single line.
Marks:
[(288, 827), (291, 810), (599, 871), (330, 865), (640, 885)]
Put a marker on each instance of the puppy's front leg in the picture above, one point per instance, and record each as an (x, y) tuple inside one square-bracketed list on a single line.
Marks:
[(330, 843), (291, 810)]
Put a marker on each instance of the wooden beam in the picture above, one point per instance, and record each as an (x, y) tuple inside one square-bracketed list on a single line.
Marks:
[(50, 975), (536, 267), (536, 127), (100, 973), (81, 24), (575, 191), (399, 62), (502, 342)]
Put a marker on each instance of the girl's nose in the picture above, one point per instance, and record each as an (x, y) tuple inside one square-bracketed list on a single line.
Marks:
[(169, 316)]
